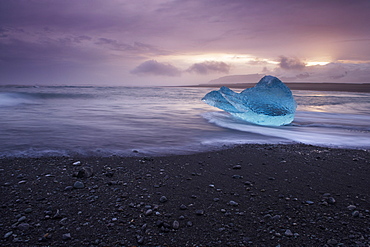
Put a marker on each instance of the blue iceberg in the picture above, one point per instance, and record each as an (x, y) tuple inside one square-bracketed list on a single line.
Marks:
[(269, 103)]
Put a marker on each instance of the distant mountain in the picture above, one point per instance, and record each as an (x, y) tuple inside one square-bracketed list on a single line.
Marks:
[(337, 77), (251, 78)]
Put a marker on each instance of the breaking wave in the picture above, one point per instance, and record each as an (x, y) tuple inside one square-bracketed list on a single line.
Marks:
[(41, 121), (315, 128), (17, 98)]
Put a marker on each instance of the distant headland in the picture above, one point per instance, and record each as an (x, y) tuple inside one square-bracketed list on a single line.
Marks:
[(247, 81)]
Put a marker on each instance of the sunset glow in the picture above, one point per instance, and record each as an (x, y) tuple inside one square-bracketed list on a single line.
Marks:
[(173, 42), (316, 63)]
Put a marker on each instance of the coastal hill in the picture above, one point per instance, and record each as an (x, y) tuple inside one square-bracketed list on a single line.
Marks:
[(247, 81), (251, 78)]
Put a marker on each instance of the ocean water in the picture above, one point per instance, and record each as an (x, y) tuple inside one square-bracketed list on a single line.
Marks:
[(126, 121)]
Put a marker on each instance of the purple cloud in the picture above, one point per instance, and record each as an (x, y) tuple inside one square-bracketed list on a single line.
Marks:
[(291, 63), (152, 67), (209, 67), (137, 47), (110, 36)]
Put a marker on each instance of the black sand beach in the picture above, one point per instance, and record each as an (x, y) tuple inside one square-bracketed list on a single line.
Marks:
[(249, 195)]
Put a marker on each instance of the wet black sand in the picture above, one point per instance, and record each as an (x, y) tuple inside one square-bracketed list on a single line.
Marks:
[(249, 195)]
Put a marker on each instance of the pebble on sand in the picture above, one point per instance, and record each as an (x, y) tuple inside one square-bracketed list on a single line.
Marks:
[(77, 163), (78, 185), (175, 225), (23, 226), (233, 203), (66, 236), (351, 207), (8, 234), (288, 233), (163, 199)]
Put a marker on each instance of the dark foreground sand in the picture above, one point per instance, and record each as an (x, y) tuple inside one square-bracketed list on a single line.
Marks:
[(250, 195)]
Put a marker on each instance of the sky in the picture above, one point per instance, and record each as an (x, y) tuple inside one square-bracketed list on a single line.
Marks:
[(182, 42)]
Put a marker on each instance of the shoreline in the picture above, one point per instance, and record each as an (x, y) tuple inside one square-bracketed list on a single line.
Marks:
[(245, 195), (341, 87)]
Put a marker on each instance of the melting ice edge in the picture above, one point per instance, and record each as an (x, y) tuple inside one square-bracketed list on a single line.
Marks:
[(269, 103)]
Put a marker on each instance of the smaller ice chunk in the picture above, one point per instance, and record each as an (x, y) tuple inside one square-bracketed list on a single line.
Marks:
[(269, 103)]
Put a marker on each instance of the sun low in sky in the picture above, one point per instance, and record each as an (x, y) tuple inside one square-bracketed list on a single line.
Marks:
[(180, 42)]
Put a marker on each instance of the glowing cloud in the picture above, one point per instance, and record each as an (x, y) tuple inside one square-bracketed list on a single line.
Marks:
[(291, 63)]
